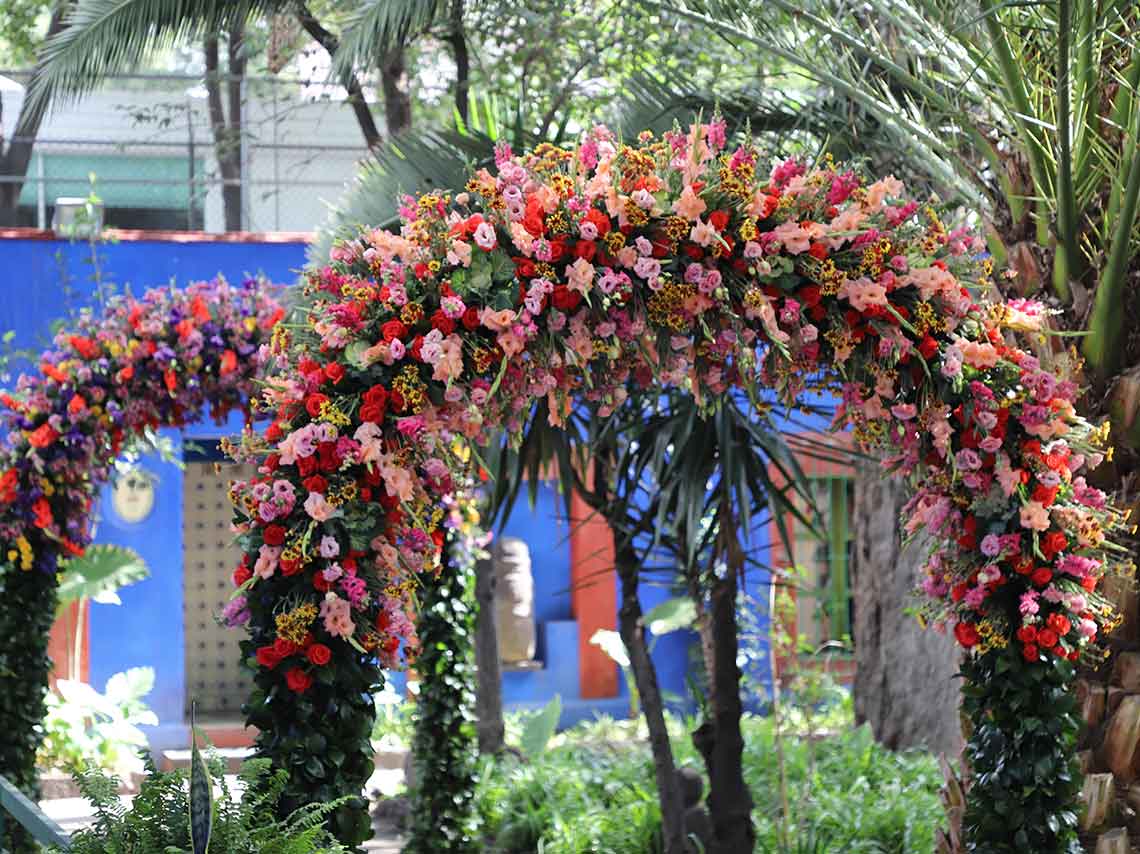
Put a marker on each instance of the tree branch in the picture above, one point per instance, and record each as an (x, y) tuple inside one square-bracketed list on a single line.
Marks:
[(351, 82)]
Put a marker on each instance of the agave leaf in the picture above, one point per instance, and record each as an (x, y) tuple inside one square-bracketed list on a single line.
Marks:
[(201, 794)]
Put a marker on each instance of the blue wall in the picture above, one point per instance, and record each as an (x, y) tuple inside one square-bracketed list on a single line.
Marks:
[(40, 272)]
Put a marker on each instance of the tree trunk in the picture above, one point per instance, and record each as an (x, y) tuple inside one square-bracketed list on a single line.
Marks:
[(227, 133), (632, 629), (14, 161), (397, 101), (458, 39), (351, 82), (722, 743), (905, 684), (489, 686)]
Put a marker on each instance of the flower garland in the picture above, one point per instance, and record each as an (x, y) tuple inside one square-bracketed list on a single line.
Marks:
[(675, 261), (137, 365)]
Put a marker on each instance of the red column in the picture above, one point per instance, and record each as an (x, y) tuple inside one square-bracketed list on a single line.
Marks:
[(593, 597), (61, 644)]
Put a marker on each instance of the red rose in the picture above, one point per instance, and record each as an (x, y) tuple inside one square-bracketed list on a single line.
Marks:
[(307, 465), (273, 535), (718, 220), (334, 372), (1027, 634), (818, 251), (241, 575), (372, 412), (320, 584), (1059, 623), (274, 433), (1030, 653), (471, 318), (272, 462), (392, 330), (267, 657), (417, 347), (1053, 543), (586, 249), (313, 403), (565, 299), (298, 680), (284, 647), (442, 322), (291, 567), (315, 483), (1041, 576), (557, 249), (928, 347), (308, 366), (524, 267), (1089, 583), (1047, 638), (1045, 494), (966, 634), (376, 394), (319, 654)]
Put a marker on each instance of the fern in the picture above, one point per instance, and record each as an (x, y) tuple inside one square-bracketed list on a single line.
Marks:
[(157, 822)]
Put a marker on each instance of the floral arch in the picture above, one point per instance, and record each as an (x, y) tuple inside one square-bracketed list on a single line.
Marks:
[(161, 360), (674, 261)]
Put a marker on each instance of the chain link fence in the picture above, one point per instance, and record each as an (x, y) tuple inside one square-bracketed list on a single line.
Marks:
[(159, 152)]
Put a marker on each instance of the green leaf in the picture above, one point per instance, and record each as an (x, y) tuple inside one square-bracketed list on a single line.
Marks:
[(540, 728), (101, 571), (201, 795), (673, 614)]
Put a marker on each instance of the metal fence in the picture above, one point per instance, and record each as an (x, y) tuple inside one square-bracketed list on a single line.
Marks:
[(145, 145)]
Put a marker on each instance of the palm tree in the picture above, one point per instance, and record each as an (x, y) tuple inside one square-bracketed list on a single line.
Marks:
[(94, 39), (1030, 114)]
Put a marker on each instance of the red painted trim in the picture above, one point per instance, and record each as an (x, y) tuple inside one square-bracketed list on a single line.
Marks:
[(61, 643), (130, 235), (593, 597), (784, 559)]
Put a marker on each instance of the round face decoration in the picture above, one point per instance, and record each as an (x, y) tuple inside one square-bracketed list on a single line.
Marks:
[(132, 495)]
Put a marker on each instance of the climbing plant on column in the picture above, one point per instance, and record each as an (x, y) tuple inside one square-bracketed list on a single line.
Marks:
[(676, 261), (116, 374)]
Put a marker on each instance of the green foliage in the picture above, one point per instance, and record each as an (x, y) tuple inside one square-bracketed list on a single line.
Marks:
[(201, 796), (25, 624), (321, 737), (444, 749), (594, 791), (394, 724), (540, 727), (101, 571), (1029, 713), (84, 728), (158, 819)]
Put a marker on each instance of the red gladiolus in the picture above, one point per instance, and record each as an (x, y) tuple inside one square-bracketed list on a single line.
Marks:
[(170, 379), (291, 567), (298, 680), (43, 513), (42, 436)]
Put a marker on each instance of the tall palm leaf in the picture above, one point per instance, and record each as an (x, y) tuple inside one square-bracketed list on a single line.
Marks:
[(102, 37), (377, 26)]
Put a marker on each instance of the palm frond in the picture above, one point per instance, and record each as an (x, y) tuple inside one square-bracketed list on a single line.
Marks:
[(101, 37), (378, 26)]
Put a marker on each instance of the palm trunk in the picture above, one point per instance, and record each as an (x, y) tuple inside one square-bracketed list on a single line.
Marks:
[(905, 684), (397, 101), (458, 39), (632, 629), (227, 133), (489, 686)]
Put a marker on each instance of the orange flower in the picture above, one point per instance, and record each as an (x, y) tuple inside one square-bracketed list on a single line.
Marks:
[(42, 436), (229, 363), (76, 405), (8, 483), (171, 379), (85, 347)]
